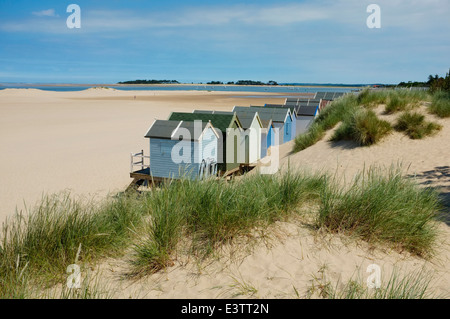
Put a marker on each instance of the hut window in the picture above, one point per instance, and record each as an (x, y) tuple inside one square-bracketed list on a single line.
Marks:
[(157, 146), (166, 150)]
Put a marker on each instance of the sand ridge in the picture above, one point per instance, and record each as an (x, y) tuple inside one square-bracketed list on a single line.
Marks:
[(81, 141), (51, 141)]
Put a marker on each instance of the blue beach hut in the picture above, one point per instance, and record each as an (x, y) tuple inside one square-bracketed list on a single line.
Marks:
[(182, 149)]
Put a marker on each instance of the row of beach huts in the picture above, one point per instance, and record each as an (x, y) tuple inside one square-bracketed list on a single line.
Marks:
[(216, 143)]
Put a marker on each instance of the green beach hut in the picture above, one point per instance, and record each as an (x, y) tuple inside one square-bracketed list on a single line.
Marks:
[(229, 138)]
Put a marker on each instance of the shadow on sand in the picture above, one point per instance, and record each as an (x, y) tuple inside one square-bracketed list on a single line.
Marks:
[(344, 144), (435, 179)]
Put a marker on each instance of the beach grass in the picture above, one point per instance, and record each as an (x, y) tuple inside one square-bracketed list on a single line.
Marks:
[(339, 109), (15, 283), (162, 230), (90, 287), (394, 100), (440, 104), (361, 127), (411, 285), (39, 245), (383, 208), (415, 126), (396, 103), (202, 216), (369, 98), (314, 134), (212, 213), (404, 100), (327, 119), (364, 127)]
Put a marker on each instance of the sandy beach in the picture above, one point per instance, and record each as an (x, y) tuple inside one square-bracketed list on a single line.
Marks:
[(81, 141), (427, 159), (295, 261)]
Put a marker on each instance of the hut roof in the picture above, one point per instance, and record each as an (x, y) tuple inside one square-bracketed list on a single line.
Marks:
[(202, 112), (213, 112), (247, 117), (274, 105), (219, 121), (330, 96), (266, 123), (291, 107), (276, 114), (162, 129), (310, 110), (306, 101), (174, 129)]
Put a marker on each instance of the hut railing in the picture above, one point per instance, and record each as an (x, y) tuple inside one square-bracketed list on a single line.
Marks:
[(138, 160)]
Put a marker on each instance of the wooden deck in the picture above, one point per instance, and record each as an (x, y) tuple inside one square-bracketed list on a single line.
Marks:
[(143, 173), (143, 177)]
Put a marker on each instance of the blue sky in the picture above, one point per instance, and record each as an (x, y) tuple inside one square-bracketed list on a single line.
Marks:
[(200, 41)]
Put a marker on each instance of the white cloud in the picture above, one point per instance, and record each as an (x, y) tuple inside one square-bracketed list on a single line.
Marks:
[(407, 14), (414, 15), (249, 15), (285, 15), (45, 13)]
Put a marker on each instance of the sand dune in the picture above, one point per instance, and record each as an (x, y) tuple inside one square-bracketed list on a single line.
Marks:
[(420, 158), (294, 263), (81, 141), (297, 259), (51, 141)]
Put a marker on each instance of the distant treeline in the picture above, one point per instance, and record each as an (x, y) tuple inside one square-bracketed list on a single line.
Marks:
[(150, 82), (435, 83), (250, 82), (240, 82), (325, 84), (439, 83)]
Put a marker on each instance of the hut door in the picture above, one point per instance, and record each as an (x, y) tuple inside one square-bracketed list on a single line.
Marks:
[(202, 170), (208, 168), (247, 149)]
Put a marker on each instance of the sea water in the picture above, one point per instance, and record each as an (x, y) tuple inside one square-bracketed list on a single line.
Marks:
[(218, 88)]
